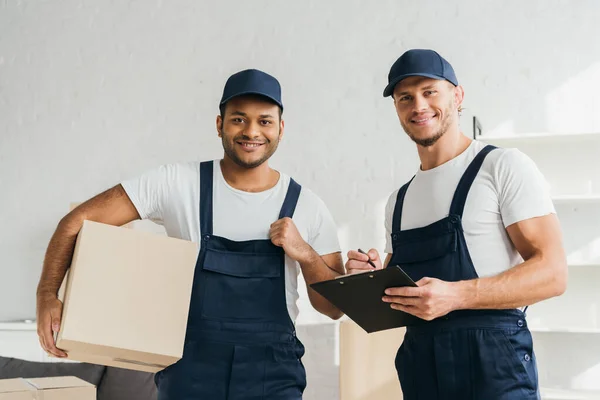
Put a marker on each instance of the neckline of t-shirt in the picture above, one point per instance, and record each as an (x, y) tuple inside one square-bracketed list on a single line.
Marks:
[(220, 176), (449, 163)]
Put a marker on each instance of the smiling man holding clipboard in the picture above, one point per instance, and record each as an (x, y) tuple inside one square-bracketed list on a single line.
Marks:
[(476, 230)]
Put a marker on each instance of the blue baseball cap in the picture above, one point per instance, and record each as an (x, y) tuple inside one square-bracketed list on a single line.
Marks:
[(252, 81), (419, 62)]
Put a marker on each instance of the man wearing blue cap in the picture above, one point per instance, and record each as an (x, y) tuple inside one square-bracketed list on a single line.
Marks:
[(257, 228), (476, 229)]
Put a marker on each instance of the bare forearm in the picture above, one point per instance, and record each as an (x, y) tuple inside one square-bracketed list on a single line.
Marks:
[(316, 269), (110, 207), (58, 257), (530, 282)]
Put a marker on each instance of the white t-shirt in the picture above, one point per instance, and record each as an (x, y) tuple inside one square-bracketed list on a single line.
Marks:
[(508, 188), (170, 195)]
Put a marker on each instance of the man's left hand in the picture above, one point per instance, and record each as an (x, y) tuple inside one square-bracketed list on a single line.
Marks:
[(284, 234), (432, 298)]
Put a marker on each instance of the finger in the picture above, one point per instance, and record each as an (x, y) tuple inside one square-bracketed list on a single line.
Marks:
[(358, 265), (54, 328), (424, 281), (407, 309), (278, 228), (49, 342), (358, 256), (55, 322), (373, 255), (42, 342), (52, 349), (282, 222), (276, 224), (405, 291), (405, 301), (274, 232), (276, 240)]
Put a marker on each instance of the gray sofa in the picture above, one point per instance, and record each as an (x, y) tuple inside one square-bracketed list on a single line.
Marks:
[(111, 383)]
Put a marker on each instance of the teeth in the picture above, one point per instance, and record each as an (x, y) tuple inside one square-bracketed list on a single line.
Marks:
[(250, 144)]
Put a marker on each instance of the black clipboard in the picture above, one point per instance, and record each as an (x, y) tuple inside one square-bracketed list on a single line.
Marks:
[(359, 297)]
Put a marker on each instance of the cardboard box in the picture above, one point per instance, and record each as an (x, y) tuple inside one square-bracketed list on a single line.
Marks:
[(367, 368), (58, 388), (126, 298)]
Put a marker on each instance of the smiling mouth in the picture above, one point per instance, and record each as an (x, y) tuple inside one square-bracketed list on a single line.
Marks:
[(250, 145), (423, 121)]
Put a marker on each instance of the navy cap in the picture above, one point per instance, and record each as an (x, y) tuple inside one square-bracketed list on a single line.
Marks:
[(419, 62), (252, 81)]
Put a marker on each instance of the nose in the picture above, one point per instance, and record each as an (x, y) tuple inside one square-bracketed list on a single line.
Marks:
[(420, 104), (252, 130)]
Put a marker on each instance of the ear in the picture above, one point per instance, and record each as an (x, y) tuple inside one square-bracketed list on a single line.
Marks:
[(281, 129), (459, 95), (219, 125)]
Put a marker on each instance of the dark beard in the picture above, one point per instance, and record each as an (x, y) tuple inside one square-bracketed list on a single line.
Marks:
[(230, 151)]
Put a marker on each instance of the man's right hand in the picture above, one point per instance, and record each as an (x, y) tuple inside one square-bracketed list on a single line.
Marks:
[(358, 262), (49, 313)]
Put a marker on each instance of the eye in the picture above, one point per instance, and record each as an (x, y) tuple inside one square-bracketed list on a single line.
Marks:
[(430, 92), (404, 98), (266, 122), (237, 120)]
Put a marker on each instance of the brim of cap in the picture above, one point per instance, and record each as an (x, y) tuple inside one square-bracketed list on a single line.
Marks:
[(389, 89), (252, 92)]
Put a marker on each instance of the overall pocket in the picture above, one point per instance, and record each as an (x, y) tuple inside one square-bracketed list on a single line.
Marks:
[(242, 286)]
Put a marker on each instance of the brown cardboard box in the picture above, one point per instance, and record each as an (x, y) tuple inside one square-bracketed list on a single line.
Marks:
[(58, 388), (126, 298), (367, 369)]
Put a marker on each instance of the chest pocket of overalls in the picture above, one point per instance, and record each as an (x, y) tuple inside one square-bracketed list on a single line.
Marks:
[(429, 255), (241, 286)]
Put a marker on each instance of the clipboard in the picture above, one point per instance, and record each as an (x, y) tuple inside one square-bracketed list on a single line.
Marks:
[(359, 297)]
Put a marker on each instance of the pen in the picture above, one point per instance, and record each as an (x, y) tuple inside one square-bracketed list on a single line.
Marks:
[(370, 262)]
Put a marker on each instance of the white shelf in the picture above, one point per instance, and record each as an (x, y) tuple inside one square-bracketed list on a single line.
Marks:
[(27, 325), (576, 199), (582, 265), (566, 394), (538, 138)]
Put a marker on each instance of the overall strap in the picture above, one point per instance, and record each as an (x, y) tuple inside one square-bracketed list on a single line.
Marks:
[(397, 219), (464, 185), (206, 198), (291, 199)]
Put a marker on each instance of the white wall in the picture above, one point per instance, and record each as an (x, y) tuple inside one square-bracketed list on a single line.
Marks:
[(92, 92)]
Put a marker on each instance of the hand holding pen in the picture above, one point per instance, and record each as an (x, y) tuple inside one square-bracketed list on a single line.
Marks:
[(360, 261)]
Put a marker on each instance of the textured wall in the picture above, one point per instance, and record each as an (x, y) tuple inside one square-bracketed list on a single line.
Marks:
[(92, 92)]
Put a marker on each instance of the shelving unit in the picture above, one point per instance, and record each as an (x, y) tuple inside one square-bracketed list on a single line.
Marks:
[(535, 138), (584, 265), (566, 329), (560, 394), (19, 339), (576, 199)]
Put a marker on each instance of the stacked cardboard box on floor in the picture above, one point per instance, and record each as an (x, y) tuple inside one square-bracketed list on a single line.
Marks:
[(126, 298), (58, 388), (367, 369)]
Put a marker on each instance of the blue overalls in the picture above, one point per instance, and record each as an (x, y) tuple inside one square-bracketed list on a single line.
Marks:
[(467, 354), (240, 341)]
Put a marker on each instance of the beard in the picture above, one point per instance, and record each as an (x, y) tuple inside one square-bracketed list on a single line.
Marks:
[(229, 147), (444, 125)]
